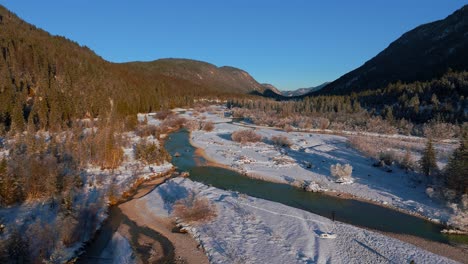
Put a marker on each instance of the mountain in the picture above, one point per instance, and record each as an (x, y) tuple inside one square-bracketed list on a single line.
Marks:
[(302, 91), (223, 79), (424, 53), (49, 80), (272, 88)]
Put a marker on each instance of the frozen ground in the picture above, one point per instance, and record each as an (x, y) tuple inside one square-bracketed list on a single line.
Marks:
[(93, 194), (317, 151), (251, 230)]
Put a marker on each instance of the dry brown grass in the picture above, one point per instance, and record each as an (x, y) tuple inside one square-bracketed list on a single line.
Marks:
[(208, 126), (246, 135), (373, 146), (388, 150), (161, 115), (194, 209), (281, 141), (172, 123), (147, 130)]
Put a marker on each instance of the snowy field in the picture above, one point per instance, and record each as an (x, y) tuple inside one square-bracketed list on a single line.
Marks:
[(309, 159), (251, 230)]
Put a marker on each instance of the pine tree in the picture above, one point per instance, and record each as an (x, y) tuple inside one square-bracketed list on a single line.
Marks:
[(456, 172), (11, 186), (17, 118), (18, 248), (428, 160)]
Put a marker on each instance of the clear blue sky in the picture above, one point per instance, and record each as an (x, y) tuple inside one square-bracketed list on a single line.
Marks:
[(290, 44)]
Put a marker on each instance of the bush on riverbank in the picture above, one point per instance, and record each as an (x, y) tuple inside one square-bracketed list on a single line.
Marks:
[(246, 135), (194, 209), (341, 172), (150, 153), (281, 141)]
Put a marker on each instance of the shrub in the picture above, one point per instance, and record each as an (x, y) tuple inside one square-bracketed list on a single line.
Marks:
[(439, 130), (288, 128), (208, 126), (281, 141), (407, 161), (192, 125), (194, 209), (149, 152), (387, 157), (323, 123), (147, 130), (341, 172), (131, 122), (172, 123), (161, 115), (245, 135), (459, 218)]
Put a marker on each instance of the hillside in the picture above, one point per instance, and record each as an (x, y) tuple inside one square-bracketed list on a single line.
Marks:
[(424, 53), (202, 73), (302, 91), (272, 88), (49, 80)]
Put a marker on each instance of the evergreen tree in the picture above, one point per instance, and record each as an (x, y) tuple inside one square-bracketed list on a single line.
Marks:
[(18, 248), (456, 173), (428, 160), (17, 118)]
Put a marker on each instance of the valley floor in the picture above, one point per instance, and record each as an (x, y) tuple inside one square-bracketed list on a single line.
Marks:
[(309, 159), (252, 230)]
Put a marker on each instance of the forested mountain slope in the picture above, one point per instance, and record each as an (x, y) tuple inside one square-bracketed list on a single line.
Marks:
[(49, 80), (422, 54)]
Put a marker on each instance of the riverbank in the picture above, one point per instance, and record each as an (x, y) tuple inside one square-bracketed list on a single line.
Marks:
[(129, 236), (253, 230), (186, 248), (456, 253)]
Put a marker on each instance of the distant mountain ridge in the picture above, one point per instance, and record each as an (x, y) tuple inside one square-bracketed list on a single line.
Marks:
[(421, 54), (302, 91), (223, 78)]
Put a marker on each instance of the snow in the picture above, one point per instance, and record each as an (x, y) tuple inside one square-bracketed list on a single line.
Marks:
[(309, 160), (118, 251), (96, 185), (252, 230), (150, 118)]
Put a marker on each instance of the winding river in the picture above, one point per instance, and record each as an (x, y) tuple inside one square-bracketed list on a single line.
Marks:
[(350, 211)]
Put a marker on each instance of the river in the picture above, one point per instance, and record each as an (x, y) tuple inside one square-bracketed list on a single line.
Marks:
[(350, 211)]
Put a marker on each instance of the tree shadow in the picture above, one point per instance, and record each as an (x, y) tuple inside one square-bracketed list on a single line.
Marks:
[(171, 193), (225, 136)]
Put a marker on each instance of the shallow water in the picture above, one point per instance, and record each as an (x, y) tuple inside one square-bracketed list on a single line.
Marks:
[(345, 210)]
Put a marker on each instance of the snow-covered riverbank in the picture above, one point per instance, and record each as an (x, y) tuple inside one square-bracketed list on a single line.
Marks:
[(309, 159), (251, 230)]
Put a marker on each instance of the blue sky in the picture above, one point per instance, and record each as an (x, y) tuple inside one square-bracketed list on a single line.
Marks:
[(290, 44)]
